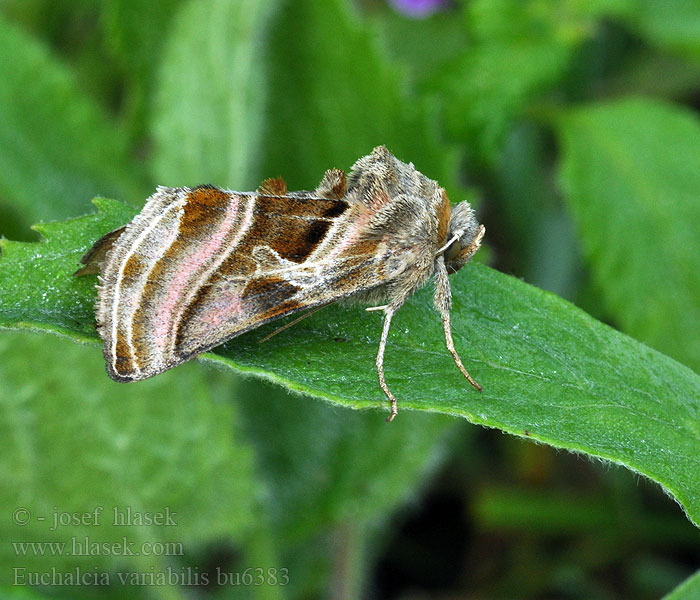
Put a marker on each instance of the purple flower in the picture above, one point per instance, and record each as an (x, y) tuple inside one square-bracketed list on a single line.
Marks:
[(418, 8)]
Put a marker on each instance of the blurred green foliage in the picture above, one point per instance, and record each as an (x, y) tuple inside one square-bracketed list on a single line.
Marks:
[(575, 123)]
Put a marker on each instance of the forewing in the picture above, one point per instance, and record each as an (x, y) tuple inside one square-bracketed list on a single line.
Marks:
[(198, 267), (94, 258)]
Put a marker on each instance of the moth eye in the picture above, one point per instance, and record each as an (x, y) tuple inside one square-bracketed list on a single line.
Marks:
[(453, 250), (456, 254)]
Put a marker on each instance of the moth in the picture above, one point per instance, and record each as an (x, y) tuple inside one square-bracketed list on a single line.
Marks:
[(199, 266)]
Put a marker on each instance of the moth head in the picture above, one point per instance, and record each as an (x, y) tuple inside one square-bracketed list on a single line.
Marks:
[(465, 234)]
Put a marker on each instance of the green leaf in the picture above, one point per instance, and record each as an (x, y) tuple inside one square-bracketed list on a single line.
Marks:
[(518, 52), (62, 304), (95, 448), (134, 33), (333, 479), (533, 214), (672, 25), (334, 461), (320, 460), (210, 95), (688, 590), (631, 175), (488, 87), (57, 148), (411, 42), (549, 371), (326, 109)]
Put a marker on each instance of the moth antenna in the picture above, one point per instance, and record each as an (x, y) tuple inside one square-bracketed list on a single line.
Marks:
[(294, 322), (451, 347), (459, 233), (389, 313)]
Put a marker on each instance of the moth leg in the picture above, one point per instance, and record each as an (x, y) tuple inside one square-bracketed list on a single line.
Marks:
[(451, 347), (388, 314), (443, 302), (294, 322)]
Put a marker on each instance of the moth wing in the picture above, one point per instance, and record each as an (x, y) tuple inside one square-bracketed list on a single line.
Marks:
[(199, 266), (94, 258), (231, 305)]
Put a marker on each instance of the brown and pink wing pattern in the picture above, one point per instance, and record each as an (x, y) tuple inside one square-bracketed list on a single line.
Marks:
[(199, 266)]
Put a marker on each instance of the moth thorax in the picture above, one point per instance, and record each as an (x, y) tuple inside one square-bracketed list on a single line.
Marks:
[(463, 224)]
